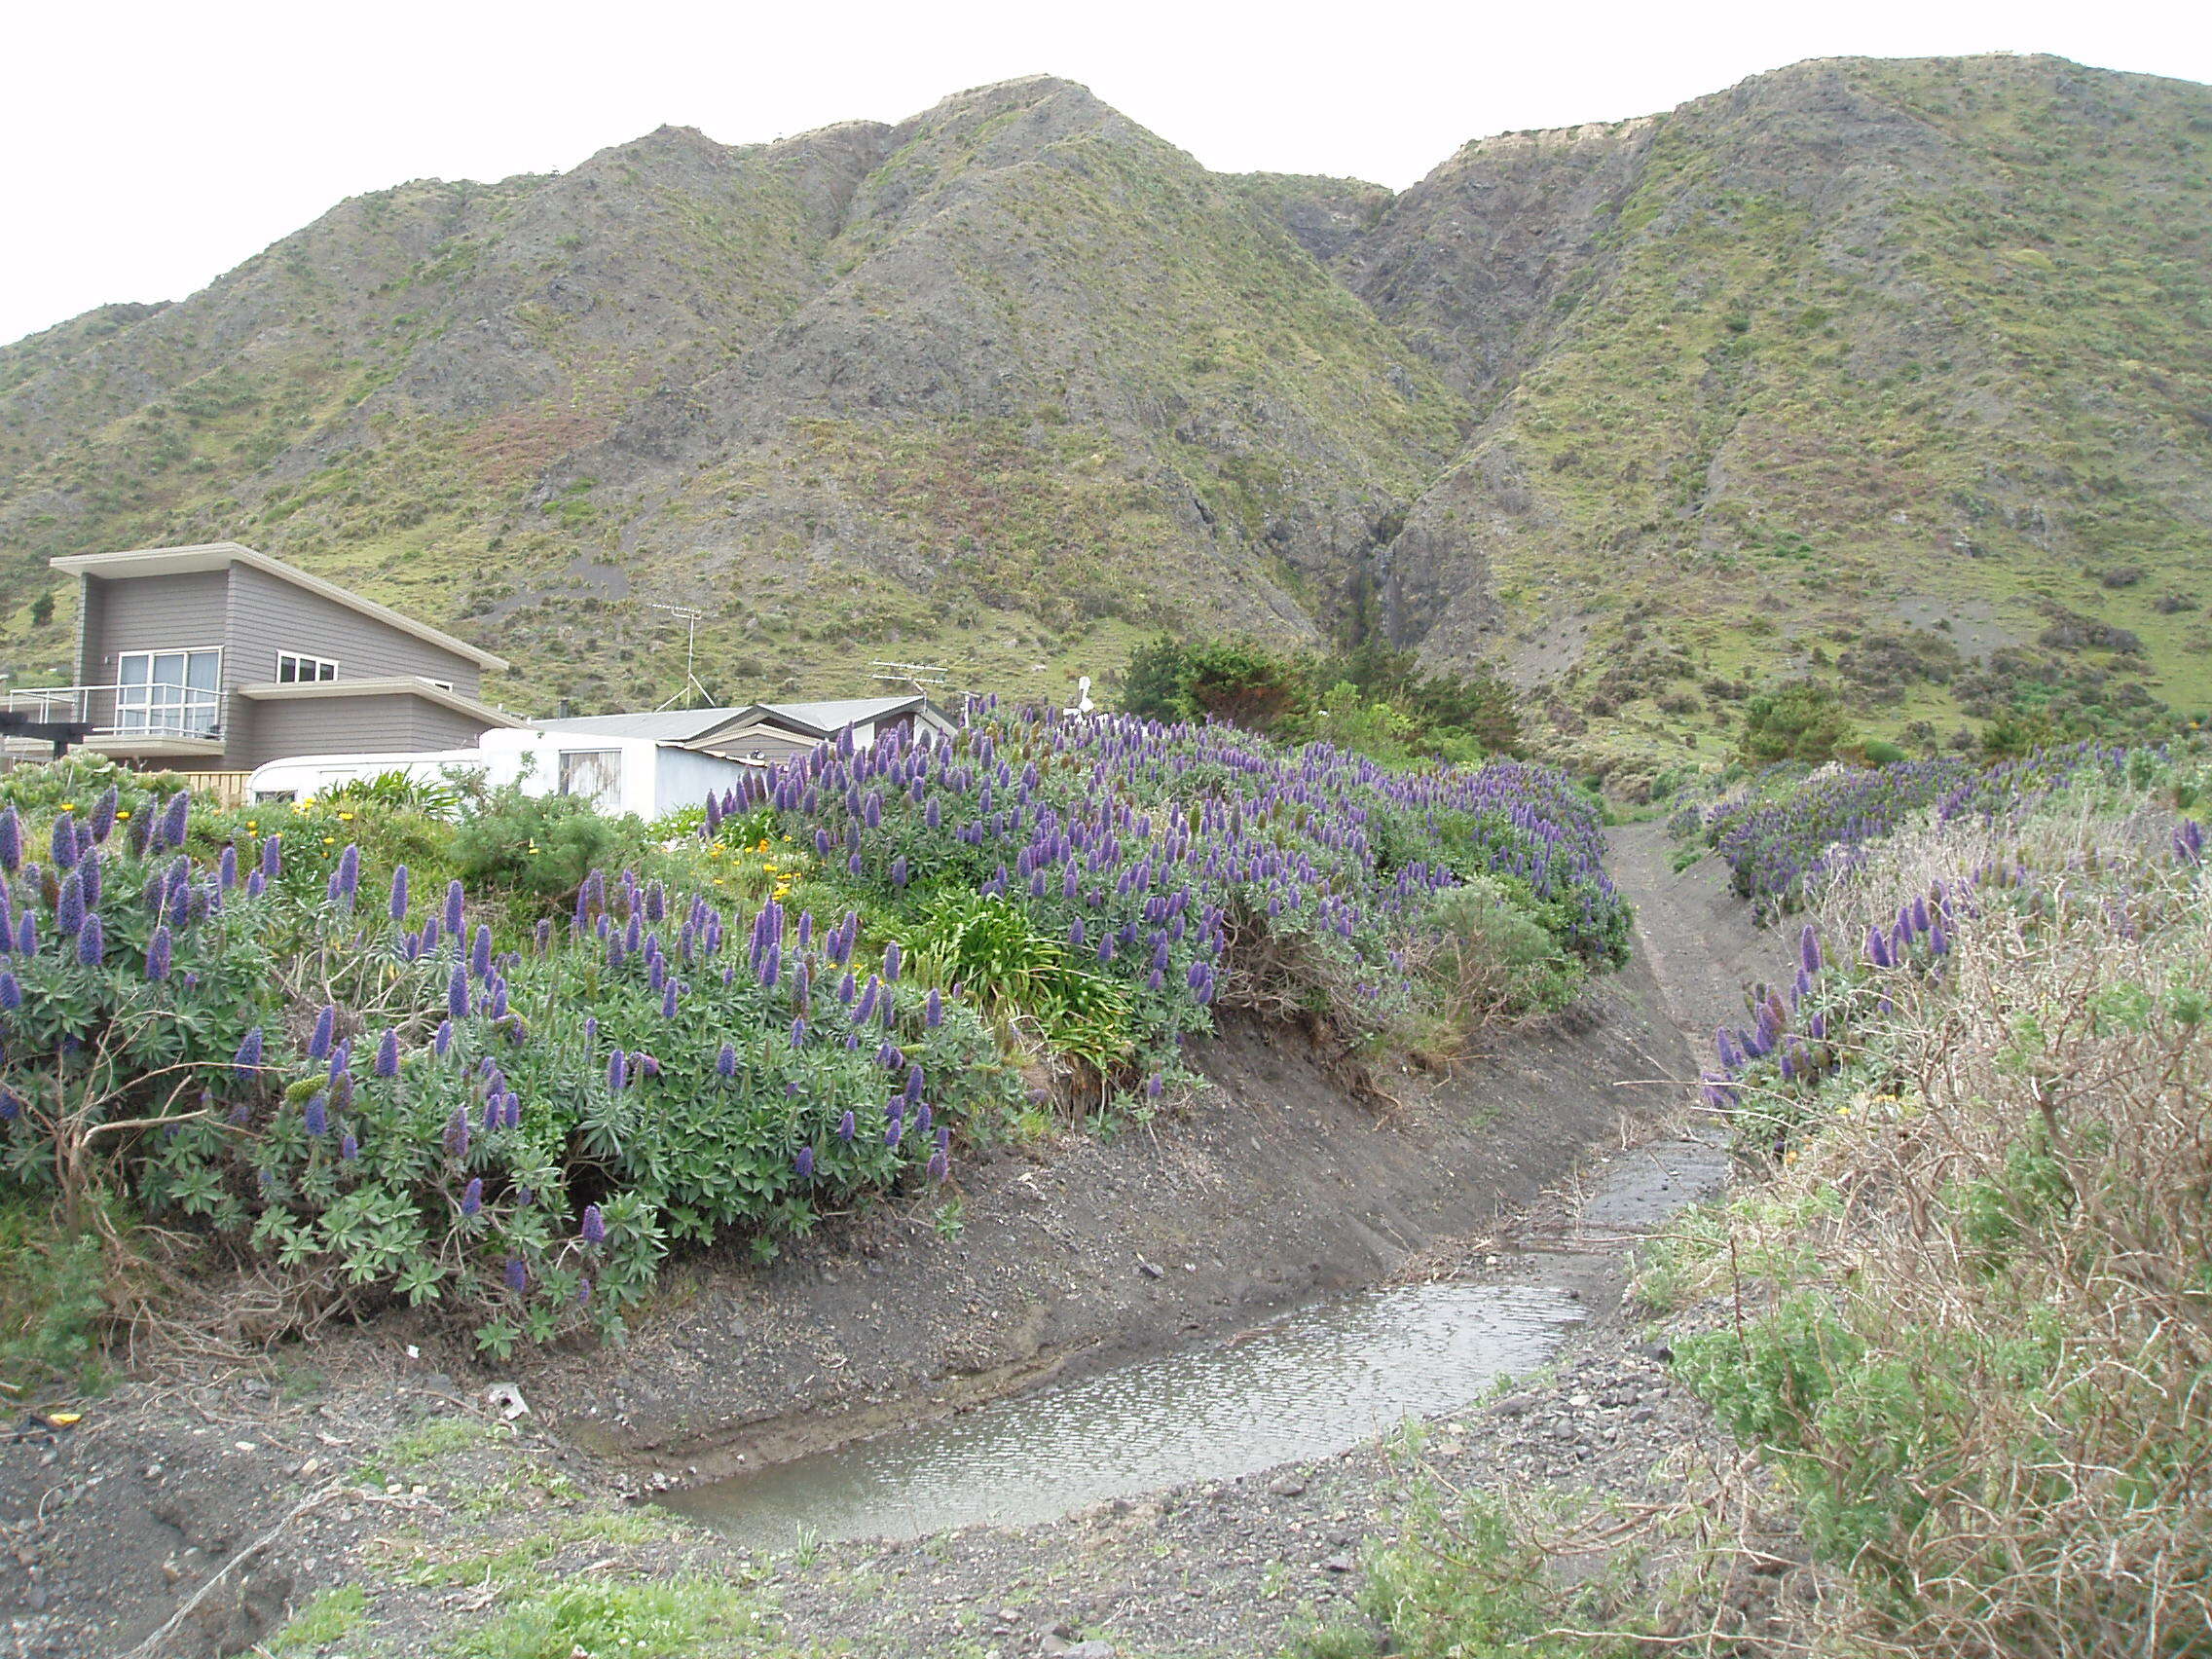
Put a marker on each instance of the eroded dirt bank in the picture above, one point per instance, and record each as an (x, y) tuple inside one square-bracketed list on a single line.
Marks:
[(1275, 1186)]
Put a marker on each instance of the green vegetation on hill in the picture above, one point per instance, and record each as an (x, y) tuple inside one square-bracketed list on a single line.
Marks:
[(1371, 700), (1890, 374), (1856, 349)]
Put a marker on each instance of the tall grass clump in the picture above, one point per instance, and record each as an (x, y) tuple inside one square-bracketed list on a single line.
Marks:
[(1968, 1316)]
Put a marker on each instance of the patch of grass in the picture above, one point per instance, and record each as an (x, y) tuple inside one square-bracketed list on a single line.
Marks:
[(330, 1618), (55, 1296), (678, 1618), (1464, 1580), (429, 1442)]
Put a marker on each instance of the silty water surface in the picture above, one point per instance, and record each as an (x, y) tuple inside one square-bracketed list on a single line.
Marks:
[(1314, 1382)]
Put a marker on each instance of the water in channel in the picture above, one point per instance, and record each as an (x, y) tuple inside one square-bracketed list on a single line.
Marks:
[(1313, 1382)]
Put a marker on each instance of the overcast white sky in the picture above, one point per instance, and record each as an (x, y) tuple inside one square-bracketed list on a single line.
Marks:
[(151, 147)]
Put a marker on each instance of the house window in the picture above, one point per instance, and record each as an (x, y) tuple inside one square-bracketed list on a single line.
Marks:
[(167, 693), (593, 774), (293, 669)]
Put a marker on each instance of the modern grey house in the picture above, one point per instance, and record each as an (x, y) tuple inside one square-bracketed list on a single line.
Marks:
[(215, 658)]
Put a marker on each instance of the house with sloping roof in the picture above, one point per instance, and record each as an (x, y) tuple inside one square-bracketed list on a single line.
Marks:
[(767, 732), (217, 658)]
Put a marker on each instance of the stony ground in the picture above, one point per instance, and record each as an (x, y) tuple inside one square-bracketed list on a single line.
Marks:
[(376, 1502)]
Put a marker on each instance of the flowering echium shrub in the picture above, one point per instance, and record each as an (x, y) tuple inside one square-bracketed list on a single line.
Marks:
[(1800, 1035), (1200, 865), (360, 1084), (357, 1086), (1785, 831)]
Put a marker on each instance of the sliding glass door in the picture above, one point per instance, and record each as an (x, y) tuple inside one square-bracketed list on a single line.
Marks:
[(167, 693)]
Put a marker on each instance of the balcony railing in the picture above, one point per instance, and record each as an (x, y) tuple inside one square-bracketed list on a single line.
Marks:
[(156, 709)]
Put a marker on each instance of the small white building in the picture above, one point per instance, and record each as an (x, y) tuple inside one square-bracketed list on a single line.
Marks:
[(616, 773), (768, 732)]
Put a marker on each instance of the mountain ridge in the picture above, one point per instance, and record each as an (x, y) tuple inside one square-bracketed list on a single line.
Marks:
[(1632, 408)]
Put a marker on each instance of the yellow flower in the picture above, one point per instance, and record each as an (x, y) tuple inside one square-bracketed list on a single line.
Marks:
[(123, 813), (345, 818), (250, 823), (68, 806), (330, 840)]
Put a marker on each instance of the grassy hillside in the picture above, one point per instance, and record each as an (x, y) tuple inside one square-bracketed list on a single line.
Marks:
[(1006, 383), (1890, 373), (1865, 369)]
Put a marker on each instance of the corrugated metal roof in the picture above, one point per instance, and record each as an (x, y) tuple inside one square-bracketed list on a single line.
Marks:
[(666, 725), (686, 725), (836, 714)]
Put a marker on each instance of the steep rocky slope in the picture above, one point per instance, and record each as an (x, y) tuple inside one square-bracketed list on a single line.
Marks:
[(1894, 371), (1796, 371)]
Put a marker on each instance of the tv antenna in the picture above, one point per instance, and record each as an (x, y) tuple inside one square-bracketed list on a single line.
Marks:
[(921, 676), (690, 613)]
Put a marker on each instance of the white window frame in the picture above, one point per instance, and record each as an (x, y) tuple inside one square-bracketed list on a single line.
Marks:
[(570, 766), (326, 667), (141, 710)]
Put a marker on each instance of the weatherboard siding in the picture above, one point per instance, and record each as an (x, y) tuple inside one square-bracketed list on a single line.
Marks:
[(267, 615), (146, 614), (389, 723)]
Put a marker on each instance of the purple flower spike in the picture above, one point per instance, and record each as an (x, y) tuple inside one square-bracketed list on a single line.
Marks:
[(457, 993), (325, 1029), (933, 1010), (472, 1196), (10, 840), (318, 1115), (444, 1038), (593, 1227), (517, 1275), (248, 1060), (399, 909), (103, 814), (726, 1064), (617, 1071), (803, 1164), (11, 992), (1809, 950), (798, 1032), (91, 940), (348, 876), (171, 832), (480, 951), (388, 1053), (69, 905), (891, 961), (272, 858), (348, 1148), (65, 842), (453, 898), (158, 955), (847, 1127)]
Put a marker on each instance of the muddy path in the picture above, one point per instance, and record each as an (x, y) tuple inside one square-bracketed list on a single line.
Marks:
[(1531, 1163)]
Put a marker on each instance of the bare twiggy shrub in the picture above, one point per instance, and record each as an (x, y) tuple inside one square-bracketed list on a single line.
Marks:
[(1971, 1319)]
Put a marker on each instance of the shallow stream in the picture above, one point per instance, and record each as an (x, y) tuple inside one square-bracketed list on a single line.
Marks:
[(1316, 1382)]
